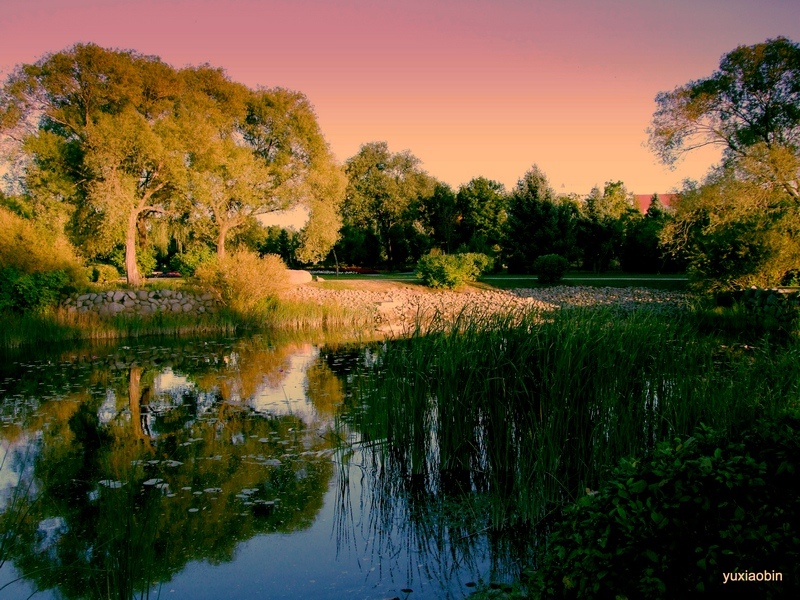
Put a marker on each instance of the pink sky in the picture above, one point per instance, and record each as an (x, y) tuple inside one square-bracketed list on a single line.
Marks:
[(471, 87)]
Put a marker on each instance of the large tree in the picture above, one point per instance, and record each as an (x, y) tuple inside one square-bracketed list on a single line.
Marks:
[(538, 223), (383, 188), (481, 206), (119, 137), (91, 123), (750, 107)]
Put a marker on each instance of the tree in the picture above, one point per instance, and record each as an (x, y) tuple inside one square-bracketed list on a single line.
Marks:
[(481, 205), (120, 138), (602, 228), (381, 191), (91, 121), (537, 223), (751, 108)]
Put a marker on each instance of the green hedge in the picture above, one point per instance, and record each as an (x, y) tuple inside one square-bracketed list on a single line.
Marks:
[(452, 270)]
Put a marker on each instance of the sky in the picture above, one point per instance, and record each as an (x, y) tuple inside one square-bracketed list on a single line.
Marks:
[(471, 87)]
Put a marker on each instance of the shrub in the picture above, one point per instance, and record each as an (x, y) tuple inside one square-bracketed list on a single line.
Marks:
[(451, 270), (186, 263), (550, 268), (29, 247), (104, 273), (670, 526), (31, 292), (243, 280)]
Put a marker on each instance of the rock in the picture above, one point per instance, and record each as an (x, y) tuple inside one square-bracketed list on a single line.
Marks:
[(142, 295), (299, 277)]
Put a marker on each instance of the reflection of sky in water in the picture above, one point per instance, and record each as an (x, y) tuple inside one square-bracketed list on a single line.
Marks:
[(288, 397)]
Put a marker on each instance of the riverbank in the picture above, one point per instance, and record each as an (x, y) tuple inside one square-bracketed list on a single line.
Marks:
[(396, 308), (364, 308)]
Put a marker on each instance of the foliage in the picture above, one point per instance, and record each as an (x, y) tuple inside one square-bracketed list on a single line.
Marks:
[(642, 250), (31, 292), (382, 192), (451, 270), (739, 228), (752, 99), (538, 223), (104, 273), (603, 225), (186, 263), (550, 268), (481, 206), (31, 248), (672, 524), (244, 280), (734, 233), (122, 139)]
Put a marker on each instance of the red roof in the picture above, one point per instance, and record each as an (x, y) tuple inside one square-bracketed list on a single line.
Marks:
[(642, 201)]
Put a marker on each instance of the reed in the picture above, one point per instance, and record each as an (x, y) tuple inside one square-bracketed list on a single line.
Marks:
[(534, 409)]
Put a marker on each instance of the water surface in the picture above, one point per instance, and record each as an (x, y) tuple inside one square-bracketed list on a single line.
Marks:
[(216, 468)]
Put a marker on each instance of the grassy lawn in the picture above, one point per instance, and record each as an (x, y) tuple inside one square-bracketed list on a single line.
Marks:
[(505, 281)]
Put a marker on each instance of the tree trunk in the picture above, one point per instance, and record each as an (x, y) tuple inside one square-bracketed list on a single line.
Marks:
[(223, 232), (131, 268), (138, 400)]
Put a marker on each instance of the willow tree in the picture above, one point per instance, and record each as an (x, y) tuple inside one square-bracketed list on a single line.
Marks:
[(748, 210), (255, 152), (118, 137), (90, 123)]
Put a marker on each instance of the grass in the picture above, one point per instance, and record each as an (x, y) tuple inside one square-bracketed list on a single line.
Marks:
[(534, 413)]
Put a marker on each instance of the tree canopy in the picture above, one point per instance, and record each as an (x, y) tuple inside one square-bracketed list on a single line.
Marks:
[(740, 227), (114, 138)]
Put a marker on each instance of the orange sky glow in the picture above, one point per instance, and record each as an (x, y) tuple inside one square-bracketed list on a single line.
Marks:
[(470, 87)]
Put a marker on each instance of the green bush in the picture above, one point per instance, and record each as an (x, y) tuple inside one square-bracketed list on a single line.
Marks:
[(550, 268), (186, 263), (452, 270), (244, 280), (670, 526), (31, 292), (103, 273)]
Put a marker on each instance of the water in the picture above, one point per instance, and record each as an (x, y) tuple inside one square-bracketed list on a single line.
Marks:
[(215, 469)]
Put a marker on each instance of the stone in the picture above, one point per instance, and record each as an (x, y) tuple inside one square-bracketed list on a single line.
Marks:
[(119, 295), (142, 295), (115, 308), (176, 308), (299, 277), (83, 297)]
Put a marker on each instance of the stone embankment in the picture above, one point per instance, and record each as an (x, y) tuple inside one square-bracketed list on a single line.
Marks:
[(398, 309), (141, 302)]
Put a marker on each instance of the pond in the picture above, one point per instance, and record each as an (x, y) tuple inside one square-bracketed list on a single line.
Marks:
[(212, 468)]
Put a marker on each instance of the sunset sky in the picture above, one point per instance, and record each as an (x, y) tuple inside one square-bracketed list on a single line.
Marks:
[(471, 87)]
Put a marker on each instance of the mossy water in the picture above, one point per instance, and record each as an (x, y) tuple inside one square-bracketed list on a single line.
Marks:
[(415, 468)]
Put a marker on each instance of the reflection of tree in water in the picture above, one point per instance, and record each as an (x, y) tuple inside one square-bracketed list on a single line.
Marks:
[(131, 482)]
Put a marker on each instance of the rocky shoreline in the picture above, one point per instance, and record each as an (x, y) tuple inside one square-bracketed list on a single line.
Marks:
[(396, 310)]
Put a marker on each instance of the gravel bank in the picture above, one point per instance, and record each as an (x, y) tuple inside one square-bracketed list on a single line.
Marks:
[(397, 309)]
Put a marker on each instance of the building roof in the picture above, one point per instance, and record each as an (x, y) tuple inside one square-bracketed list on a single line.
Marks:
[(642, 201)]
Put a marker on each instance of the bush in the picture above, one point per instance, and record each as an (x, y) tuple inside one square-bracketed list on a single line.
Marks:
[(31, 292), (451, 270), (670, 526), (243, 280), (104, 273), (29, 248), (186, 263), (550, 268)]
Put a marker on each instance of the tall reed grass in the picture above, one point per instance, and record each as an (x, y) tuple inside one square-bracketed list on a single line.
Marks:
[(533, 410)]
